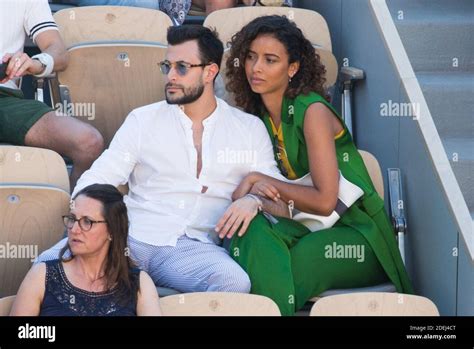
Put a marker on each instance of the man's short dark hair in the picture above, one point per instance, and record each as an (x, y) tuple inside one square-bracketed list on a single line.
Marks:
[(210, 47)]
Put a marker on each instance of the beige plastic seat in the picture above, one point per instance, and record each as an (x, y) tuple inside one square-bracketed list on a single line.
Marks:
[(30, 222), (113, 68), (218, 304), (227, 22), (6, 304), (106, 82), (29, 165), (374, 304), (374, 170), (111, 23)]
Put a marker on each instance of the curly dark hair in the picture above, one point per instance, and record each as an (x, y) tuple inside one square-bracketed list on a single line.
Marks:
[(310, 76)]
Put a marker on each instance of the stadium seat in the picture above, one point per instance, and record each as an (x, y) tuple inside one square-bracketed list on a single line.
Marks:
[(32, 166), (374, 304), (113, 69), (218, 304), (30, 222), (229, 21), (111, 23), (6, 304), (34, 194), (106, 82)]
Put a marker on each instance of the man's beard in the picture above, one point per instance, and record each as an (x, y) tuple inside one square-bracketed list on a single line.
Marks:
[(189, 95)]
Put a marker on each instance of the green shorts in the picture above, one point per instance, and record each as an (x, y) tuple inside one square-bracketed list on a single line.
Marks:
[(18, 115)]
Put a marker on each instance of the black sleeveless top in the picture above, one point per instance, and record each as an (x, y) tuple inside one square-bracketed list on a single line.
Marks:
[(61, 298)]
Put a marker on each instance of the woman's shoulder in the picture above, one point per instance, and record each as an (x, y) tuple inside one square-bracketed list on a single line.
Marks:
[(35, 277), (313, 103), (38, 270), (309, 98)]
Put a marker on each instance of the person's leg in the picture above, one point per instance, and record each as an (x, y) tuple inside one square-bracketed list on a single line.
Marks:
[(32, 123), (335, 258), (263, 252), (67, 136), (190, 266)]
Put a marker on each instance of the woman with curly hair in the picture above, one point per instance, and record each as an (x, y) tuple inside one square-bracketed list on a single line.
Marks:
[(274, 73)]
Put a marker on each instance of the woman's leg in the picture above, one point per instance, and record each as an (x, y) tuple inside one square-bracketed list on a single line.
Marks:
[(334, 258), (263, 252)]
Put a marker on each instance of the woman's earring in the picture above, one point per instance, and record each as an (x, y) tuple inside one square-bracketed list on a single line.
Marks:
[(110, 238), (289, 79)]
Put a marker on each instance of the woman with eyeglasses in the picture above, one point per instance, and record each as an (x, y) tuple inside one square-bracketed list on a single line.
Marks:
[(280, 79), (97, 278)]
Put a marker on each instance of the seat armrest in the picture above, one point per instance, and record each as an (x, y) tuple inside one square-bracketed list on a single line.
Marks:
[(397, 207)]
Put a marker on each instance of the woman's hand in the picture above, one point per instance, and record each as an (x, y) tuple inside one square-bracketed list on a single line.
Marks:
[(240, 212), (265, 190), (246, 185)]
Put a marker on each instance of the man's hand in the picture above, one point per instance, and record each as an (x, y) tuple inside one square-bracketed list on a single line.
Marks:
[(20, 64), (240, 212)]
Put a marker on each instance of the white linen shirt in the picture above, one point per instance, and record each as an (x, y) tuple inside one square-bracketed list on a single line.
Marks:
[(154, 152)]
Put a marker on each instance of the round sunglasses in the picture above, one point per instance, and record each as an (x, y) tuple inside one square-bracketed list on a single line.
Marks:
[(181, 67)]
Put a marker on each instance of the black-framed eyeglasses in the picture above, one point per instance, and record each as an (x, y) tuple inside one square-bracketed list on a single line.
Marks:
[(277, 151), (181, 67), (84, 222)]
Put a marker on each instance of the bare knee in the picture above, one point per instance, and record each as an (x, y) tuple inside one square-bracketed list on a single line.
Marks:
[(88, 145)]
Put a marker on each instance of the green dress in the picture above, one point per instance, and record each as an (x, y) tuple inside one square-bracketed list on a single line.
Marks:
[(290, 264)]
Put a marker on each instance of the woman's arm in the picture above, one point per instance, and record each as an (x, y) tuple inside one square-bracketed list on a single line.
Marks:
[(148, 303), (319, 131), (30, 295)]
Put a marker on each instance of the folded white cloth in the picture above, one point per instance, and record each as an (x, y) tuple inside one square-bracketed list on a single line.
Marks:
[(348, 194)]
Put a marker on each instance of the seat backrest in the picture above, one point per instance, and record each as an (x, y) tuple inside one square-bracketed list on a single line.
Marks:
[(374, 170), (374, 304), (110, 23), (6, 304), (107, 81), (29, 165), (218, 304), (227, 22), (30, 222)]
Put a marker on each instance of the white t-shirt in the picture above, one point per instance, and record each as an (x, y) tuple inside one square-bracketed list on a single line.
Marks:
[(154, 152), (19, 18)]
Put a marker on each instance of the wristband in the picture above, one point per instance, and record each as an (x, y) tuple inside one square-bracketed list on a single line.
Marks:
[(48, 63)]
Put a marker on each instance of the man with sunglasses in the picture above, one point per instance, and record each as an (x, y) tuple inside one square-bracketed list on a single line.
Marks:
[(182, 159)]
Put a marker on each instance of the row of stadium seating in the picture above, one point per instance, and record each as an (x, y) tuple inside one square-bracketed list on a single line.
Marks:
[(114, 53)]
